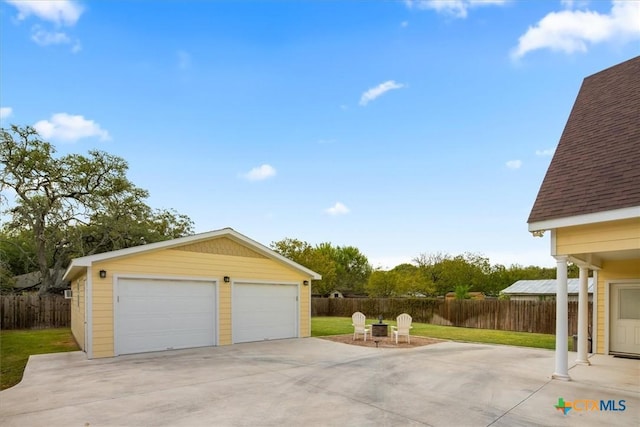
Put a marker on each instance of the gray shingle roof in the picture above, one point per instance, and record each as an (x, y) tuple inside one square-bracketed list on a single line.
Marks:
[(545, 287), (596, 166)]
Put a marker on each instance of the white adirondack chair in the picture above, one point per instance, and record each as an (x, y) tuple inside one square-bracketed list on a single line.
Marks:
[(359, 328), (404, 325)]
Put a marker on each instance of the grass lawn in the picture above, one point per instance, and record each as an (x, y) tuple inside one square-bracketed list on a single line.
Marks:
[(16, 347), (323, 326)]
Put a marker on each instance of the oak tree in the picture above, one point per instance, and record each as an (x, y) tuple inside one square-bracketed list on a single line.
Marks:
[(73, 205)]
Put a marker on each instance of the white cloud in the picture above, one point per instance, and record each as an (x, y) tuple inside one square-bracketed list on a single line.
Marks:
[(454, 8), (59, 12), (6, 112), (45, 38), (570, 4), (70, 128), (404, 24), (514, 164), (379, 90), (260, 173), (547, 152), (387, 262), (572, 31), (525, 258), (337, 209)]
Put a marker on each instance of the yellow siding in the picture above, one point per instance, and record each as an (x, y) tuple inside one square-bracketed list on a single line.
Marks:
[(611, 270), (78, 287), (600, 237), (224, 317), (187, 264), (305, 310)]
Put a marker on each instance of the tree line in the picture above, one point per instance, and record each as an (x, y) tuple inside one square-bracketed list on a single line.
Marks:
[(56, 208), (347, 270)]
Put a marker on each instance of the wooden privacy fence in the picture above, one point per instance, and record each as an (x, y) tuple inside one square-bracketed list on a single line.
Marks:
[(521, 316), (32, 311)]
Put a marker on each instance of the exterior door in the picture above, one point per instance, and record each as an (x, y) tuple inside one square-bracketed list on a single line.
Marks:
[(625, 318)]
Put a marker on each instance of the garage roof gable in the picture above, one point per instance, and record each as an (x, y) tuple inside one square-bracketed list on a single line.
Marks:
[(79, 264)]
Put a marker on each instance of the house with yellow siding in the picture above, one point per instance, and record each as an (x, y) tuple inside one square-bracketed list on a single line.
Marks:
[(208, 289), (589, 202)]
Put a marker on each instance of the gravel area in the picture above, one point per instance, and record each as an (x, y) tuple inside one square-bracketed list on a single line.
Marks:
[(382, 342)]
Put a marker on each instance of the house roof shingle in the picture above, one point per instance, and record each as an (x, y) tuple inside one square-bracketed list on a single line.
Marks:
[(596, 166)]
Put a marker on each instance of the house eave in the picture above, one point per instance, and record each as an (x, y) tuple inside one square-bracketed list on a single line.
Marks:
[(539, 227), (74, 270)]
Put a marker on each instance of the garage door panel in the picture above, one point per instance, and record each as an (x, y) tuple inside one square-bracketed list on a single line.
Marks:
[(264, 312), (155, 315)]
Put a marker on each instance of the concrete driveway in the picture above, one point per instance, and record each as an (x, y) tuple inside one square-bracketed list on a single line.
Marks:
[(315, 382)]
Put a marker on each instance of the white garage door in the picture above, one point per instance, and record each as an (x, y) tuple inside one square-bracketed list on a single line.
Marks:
[(155, 315), (264, 312)]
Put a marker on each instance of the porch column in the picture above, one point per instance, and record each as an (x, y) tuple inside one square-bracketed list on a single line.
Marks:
[(562, 321), (583, 321)]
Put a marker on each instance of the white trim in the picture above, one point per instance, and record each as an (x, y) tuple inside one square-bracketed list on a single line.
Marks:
[(594, 315), (216, 339), (298, 285), (86, 328), (88, 312), (310, 302), (552, 242), (606, 316), (78, 263), (264, 282), (593, 262), (590, 218), (165, 277), (115, 285)]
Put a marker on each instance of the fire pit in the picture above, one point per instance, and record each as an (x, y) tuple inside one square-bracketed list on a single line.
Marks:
[(379, 329)]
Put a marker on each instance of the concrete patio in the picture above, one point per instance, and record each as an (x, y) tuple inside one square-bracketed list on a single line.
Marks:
[(315, 382)]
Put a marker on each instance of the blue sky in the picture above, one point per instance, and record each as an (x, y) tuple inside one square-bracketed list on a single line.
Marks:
[(400, 128)]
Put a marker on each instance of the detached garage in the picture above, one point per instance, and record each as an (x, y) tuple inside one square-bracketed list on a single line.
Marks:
[(215, 288)]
